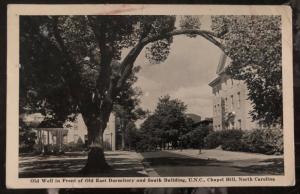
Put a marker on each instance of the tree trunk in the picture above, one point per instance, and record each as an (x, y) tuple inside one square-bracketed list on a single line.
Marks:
[(123, 139), (96, 161), (124, 125)]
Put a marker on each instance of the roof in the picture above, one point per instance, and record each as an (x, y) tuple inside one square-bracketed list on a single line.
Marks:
[(223, 63), (196, 118), (50, 123), (213, 82)]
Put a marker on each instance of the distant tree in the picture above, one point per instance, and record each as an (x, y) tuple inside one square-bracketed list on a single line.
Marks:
[(197, 137), (167, 123), (150, 134), (254, 45), (27, 137), (127, 112), (132, 136)]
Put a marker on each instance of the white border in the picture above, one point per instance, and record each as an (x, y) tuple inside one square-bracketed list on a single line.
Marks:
[(14, 11)]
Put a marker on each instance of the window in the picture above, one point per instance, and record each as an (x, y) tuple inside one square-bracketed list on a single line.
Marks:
[(239, 99), (75, 138), (54, 141), (226, 103), (239, 124), (218, 110), (231, 82), (65, 139), (232, 103)]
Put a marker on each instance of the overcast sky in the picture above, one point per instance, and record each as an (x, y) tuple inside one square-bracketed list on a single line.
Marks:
[(185, 75)]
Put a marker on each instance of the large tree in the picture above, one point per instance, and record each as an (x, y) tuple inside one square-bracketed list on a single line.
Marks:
[(68, 65), (254, 45)]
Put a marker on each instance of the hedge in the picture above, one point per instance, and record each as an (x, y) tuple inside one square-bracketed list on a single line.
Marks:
[(265, 141)]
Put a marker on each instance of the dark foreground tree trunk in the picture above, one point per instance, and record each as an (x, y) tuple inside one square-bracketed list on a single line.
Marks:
[(96, 163)]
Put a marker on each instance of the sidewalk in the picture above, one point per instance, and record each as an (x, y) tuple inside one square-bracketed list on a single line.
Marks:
[(129, 163), (218, 154)]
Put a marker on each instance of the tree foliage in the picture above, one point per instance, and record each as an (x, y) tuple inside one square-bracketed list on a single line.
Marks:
[(27, 138), (196, 137), (254, 45), (166, 124)]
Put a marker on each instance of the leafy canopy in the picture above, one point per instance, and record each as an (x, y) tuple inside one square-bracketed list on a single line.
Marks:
[(167, 122), (254, 45)]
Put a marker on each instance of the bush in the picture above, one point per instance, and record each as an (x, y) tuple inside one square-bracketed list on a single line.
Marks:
[(232, 140), (147, 144), (74, 147), (197, 137), (213, 140), (266, 141)]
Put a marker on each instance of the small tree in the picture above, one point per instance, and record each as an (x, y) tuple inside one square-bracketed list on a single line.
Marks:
[(197, 137)]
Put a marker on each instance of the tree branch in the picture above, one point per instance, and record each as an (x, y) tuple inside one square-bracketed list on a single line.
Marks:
[(104, 79), (210, 36), (60, 41), (128, 62), (73, 73)]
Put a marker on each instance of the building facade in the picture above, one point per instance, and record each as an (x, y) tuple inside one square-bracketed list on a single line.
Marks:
[(58, 135), (231, 105)]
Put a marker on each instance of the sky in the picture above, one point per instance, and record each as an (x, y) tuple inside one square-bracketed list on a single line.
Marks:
[(185, 75)]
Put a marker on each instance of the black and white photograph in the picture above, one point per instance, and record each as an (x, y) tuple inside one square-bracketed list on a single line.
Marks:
[(149, 96)]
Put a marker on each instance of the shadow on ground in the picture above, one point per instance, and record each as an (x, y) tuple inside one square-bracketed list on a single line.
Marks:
[(69, 165), (171, 164), (270, 166)]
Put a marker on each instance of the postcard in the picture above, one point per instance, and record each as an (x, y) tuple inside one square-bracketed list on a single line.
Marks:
[(115, 96)]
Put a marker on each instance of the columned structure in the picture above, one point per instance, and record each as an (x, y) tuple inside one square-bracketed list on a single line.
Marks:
[(50, 138)]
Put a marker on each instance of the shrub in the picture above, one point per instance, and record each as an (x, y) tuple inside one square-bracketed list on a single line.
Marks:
[(27, 139), (231, 140), (196, 137), (266, 141), (144, 146), (213, 140), (74, 147), (147, 144)]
